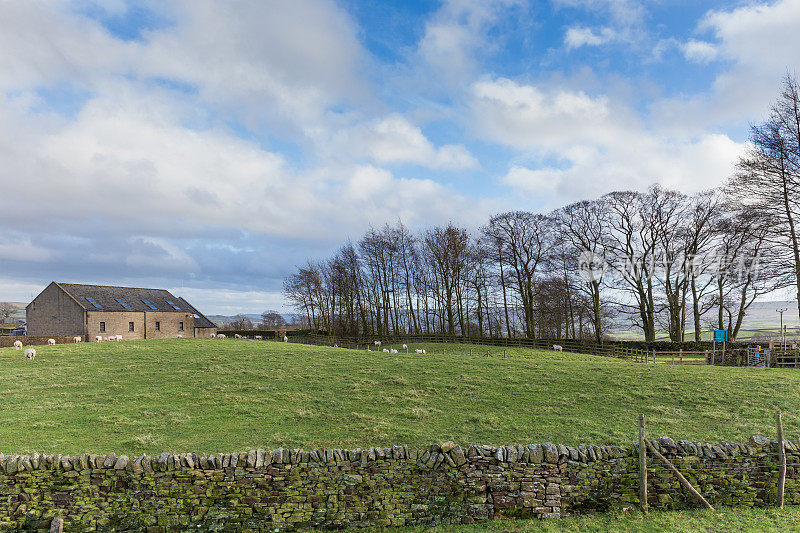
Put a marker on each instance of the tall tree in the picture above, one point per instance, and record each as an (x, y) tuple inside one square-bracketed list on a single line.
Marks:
[(768, 177)]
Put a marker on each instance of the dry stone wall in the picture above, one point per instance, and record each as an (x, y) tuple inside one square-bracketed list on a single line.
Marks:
[(289, 489)]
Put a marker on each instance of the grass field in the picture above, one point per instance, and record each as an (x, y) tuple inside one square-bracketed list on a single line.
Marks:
[(211, 395), (736, 520)]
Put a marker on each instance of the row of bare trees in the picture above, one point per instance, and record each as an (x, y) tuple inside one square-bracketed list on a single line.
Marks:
[(658, 260)]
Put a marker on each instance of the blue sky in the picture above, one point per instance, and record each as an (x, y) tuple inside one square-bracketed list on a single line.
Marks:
[(209, 147)]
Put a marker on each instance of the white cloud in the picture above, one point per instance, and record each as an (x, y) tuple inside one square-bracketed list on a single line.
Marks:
[(578, 36), (699, 51), (16, 246), (393, 139), (456, 35), (290, 60), (584, 146), (525, 116), (67, 47), (285, 62), (761, 36), (760, 42)]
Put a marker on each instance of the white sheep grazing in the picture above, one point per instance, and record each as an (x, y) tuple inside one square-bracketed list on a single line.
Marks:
[(98, 339), (378, 344), (51, 342), (119, 337), (285, 338), (180, 336), (212, 335), (237, 336), (76, 339), (221, 336), (17, 345), (405, 346), (30, 354), (393, 351), (558, 348), (258, 337), (418, 350), (385, 350)]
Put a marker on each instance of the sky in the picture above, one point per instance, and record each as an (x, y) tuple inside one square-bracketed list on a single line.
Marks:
[(211, 147)]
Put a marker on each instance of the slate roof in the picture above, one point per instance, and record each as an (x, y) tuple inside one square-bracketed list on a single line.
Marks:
[(200, 321), (107, 298)]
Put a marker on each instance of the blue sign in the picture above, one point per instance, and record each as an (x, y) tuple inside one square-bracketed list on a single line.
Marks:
[(720, 335)]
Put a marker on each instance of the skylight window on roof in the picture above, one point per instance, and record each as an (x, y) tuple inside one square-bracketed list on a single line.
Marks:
[(150, 305), (95, 304), (122, 302), (175, 307)]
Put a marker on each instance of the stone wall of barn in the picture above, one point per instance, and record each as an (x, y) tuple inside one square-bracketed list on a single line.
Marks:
[(287, 489)]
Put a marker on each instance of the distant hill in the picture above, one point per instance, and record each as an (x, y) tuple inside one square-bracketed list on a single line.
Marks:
[(762, 321), (222, 320)]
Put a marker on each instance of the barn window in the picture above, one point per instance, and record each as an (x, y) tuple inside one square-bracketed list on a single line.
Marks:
[(102, 327), (130, 326), (180, 326), (158, 326)]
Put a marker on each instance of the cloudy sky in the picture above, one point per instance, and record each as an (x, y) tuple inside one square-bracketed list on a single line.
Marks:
[(209, 147)]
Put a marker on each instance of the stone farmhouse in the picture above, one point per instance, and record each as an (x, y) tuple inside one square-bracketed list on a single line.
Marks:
[(97, 310)]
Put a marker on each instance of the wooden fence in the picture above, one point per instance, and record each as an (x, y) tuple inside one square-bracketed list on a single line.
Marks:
[(786, 358)]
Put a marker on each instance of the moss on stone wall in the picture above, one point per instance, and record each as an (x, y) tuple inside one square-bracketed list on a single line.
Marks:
[(290, 489)]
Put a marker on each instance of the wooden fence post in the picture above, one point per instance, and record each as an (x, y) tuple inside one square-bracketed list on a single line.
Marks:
[(642, 466), (680, 477), (782, 454)]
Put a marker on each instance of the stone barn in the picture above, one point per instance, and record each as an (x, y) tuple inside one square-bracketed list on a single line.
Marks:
[(91, 310)]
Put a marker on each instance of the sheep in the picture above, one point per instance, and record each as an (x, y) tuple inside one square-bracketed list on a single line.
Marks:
[(237, 336), (558, 348), (76, 339), (212, 335), (17, 345), (378, 344), (180, 336), (51, 342), (30, 354), (285, 338), (119, 337), (98, 339), (385, 350), (393, 351), (221, 336), (418, 351), (405, 346), (259, 337), (423, 351)]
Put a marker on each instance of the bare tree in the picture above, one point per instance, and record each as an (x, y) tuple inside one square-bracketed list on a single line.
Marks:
[(272, 319), (241, 322), (7, 310), (632, 245), (768, 177), (583, 236)]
